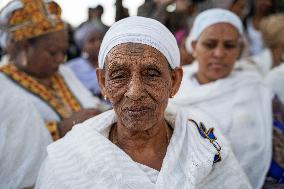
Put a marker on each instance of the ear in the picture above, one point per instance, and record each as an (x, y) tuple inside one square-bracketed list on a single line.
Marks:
[(101, 80), (193, 45), (176, 75)]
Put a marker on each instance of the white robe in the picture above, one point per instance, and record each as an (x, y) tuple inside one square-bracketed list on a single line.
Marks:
[(275, 81), (241, 106), (80, 92), (86, 159), (23, 139)]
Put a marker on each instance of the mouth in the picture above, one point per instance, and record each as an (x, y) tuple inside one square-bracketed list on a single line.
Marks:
[(136, 111), (217, 65)]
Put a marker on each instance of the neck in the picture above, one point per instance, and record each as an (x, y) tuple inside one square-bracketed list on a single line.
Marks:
[(201, 79), (146, 147)]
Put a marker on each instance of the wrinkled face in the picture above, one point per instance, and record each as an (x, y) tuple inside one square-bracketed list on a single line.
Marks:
[(92, 45), (46, 53), (138, 81), (216, 51)]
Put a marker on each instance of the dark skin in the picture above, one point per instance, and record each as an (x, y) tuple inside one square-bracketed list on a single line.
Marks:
[(138, 81), (92, 47), (44, 54)]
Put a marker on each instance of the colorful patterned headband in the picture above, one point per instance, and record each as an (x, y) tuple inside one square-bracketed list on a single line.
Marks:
[(33, 19)]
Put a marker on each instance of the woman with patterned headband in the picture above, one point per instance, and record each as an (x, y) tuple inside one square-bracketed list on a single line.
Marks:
[(139, 144), (38, 39)]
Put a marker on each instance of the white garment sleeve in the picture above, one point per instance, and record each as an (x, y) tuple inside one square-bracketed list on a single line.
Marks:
[(252, 113), (226, 174), (23, 141)]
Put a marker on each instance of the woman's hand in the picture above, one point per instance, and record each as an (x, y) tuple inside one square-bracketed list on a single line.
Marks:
[(78, 117)]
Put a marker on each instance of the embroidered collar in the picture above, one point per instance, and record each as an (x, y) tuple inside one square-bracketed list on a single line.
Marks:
[(59, 98)]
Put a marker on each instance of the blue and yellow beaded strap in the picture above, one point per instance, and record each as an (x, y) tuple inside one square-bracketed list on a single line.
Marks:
[(208, 134)]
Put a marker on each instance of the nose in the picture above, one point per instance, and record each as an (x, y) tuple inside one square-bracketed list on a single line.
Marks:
[(136, 89), (219, 52)]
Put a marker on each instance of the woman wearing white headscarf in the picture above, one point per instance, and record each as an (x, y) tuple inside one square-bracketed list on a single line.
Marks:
[(138, 144), (88, 38), (236, 100)]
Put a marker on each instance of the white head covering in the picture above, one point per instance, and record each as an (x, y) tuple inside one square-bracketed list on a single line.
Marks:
[(141, 30), (210, 17), (84, 32)]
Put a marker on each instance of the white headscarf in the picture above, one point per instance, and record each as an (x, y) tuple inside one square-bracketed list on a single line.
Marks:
[(141, 30), (210, 17), (84, 32)]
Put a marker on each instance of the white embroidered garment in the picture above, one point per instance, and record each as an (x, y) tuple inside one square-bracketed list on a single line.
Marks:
[(241, 106), (23, 139), (78, 90), (85, 158), (275, 81)]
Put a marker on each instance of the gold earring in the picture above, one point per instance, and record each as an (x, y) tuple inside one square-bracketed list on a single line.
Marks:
[(172, 96), (105, 97)]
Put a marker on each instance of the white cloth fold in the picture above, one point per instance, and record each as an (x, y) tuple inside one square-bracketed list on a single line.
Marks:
[(241, 106), (85, 158), (275, 81), (23, 139), (142, 30)]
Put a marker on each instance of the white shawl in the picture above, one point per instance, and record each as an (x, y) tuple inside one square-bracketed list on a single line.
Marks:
[(275, 81), (241, 106), (23, 139), (80, 92), (86, 159)]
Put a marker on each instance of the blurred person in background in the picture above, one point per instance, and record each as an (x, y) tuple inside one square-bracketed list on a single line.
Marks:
[(120, 11), (272, 55), (259, 9), (238, 101), (88, 38), (38, 39)]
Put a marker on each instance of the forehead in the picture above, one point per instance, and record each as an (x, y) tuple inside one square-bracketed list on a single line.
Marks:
[(54, 39), (220, 31), (128, 54)]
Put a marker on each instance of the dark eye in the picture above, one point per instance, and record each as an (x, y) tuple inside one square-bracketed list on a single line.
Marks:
[(210, 45), (230, 45), (117, 75), (52, 53), (152, 73)]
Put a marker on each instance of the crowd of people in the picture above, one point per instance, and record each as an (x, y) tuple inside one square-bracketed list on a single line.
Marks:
[(187, 94)]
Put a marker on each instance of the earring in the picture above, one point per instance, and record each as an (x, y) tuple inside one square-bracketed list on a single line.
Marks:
[(105, 97), (24, 59), (172, 96)]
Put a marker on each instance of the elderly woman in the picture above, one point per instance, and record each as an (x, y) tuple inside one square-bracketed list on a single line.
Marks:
[(88, 38), (138, 145), (235, 99), (36, 31)]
